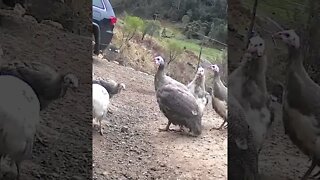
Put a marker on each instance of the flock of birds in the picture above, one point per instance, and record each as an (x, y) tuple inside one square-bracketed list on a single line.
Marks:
[(26, 89), (246, 107), (29, 87)]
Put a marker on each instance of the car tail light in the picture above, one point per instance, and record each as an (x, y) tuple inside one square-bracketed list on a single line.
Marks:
[(113, 20)]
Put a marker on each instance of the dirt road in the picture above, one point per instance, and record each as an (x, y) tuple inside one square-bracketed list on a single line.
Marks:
[(133, 148)]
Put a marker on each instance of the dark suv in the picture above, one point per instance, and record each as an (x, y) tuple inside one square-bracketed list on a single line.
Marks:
[(103, 20)]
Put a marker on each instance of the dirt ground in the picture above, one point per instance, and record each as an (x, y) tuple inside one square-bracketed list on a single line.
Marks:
[(65, 125), (133, 148)]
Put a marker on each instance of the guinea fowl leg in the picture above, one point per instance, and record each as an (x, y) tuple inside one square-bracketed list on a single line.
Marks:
[(219, 128), (167, 127), (306, 175)]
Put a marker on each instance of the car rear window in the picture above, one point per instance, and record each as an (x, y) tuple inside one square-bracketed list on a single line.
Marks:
[(98, 3)]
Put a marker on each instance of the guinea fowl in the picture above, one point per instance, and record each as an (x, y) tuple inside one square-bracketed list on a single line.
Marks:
[(241, 147), (220, 90), (301, 102), (180, 107), (111, 86), (161, 79), (197, 86), (47, 83), (19, 118), (100, 103), (221, 109), (248, 85)]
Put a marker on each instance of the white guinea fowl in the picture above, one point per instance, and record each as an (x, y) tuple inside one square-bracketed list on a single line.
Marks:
[(197, 87), (19, 118), (100, 103), (248, 85), (301, 103)]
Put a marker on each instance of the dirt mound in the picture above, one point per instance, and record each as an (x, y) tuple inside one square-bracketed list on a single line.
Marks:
[(64, 126), (133, 148)]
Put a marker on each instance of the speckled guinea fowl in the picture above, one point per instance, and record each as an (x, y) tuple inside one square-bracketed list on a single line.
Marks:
[(180, 107), (220, 90), (110, 85), (248, 85), (242, 153), (301, 103), (161, 79), (47, 83), (197, 86), (221, 109)]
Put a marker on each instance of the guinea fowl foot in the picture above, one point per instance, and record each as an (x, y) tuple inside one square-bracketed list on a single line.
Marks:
[(317, 175), (166, 129), (219, 128)]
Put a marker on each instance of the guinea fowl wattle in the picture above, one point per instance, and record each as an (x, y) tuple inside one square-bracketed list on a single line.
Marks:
[(301, 102), (47, 83)]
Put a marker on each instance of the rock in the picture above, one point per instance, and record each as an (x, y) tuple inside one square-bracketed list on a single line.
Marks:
[(124, 129), (19, 9), (52, 23)]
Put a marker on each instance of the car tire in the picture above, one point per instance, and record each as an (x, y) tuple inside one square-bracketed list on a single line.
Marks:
[(96, 48)]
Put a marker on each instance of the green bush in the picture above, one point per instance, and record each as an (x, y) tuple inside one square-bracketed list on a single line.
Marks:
[(150, 27)]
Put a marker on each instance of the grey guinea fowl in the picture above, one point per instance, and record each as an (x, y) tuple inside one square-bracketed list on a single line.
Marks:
[(221, 109), (197, 86), (301, 103), (19, 118), (110, 85), (248, 85), (180, 107), (47, 83), (161, 79), (242, 153), (220, 90)]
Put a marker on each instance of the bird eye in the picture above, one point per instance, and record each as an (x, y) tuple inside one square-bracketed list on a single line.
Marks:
[(260, 44), (287, 34)]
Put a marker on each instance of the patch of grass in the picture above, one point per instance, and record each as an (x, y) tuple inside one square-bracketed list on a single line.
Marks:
[(210, 54)]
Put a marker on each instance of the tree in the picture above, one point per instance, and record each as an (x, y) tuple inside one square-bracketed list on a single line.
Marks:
[(150, 27), (174, 51), (131, 25)]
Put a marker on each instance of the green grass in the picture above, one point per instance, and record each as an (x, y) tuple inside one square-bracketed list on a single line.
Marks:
[(211, 54)]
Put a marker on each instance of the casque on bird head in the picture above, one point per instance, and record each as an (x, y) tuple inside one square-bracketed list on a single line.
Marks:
[(256, 45), (289, 37), (159, 60), (71, 80), (215, 68)]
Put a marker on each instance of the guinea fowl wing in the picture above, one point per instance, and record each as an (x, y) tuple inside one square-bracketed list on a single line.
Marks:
[(177, 100)]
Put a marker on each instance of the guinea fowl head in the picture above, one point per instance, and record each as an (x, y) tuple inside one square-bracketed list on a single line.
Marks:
[(71, 81), (256, 46), (200, 71), (289, 37), (121, 86), (215, 69), (159, 60)]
